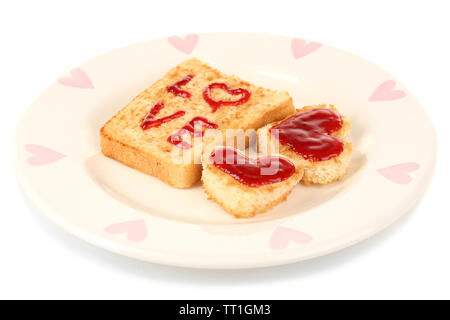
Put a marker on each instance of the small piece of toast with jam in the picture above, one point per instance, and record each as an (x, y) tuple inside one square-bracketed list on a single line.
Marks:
[(245, 186), (316, 138)]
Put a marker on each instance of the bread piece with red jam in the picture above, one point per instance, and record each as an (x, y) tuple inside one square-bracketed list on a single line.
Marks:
[(157, 132), (316, 138), (245, 186)]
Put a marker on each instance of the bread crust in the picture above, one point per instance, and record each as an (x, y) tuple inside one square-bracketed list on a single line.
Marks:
[(180, 176)]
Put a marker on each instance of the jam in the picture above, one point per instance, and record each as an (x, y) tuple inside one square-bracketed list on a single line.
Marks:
[(176, 90), (150, 122), (244, 93), (308, 134), (252, 172), (191, 128)]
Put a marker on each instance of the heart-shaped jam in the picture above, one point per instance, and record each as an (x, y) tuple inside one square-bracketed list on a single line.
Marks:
[(194, 128), (216, 104), (308, 134), (150, 122), (176, 87), (252, 172)]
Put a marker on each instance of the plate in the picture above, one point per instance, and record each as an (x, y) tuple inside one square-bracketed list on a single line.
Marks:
[(61, 168)]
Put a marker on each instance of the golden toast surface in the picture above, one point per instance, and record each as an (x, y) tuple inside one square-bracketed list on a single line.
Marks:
[(123, 139)]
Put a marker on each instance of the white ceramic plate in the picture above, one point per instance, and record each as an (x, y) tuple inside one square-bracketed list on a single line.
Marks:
[(61, 169)]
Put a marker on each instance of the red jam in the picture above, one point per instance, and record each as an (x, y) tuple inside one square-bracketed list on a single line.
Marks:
[(308, 134), (252, 172), (190, 128), (150, 122), (176, 90), (244, 93)]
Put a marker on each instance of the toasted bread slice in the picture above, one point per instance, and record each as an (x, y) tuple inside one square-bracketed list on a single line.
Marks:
[(149, 151), (244, 200), (316, 172)]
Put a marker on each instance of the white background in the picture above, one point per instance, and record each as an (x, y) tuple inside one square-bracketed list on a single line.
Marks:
[(41, 40)]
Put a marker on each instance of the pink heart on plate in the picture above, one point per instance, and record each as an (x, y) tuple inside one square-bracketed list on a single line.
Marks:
[(386, 92), (282, 236), (42, 155), (301, 48), (136, 230), (399, 173), (78, 79), (186, 44)]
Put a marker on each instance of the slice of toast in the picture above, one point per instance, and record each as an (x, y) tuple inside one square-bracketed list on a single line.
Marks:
[(171, 104), (316, 172), (244, 199)]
